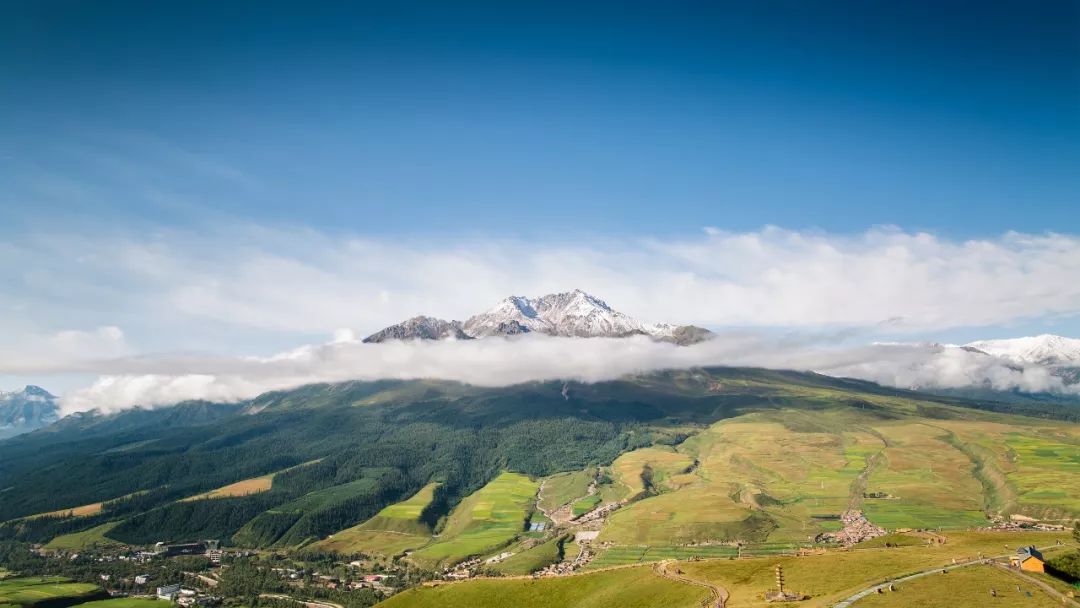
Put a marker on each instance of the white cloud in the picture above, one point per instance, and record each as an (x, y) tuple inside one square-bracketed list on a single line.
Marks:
[(498, 362), (234, 290), (304, 281)]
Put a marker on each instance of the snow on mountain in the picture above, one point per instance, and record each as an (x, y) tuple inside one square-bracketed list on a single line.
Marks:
[(420, 328), (1037, 350), (26, 410), (570, 314)]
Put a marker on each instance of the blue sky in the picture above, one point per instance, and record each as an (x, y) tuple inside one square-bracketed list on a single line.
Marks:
[(629, 118), (188, 177)]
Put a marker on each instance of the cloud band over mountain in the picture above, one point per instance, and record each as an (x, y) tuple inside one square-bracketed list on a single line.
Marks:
[(129, 303)]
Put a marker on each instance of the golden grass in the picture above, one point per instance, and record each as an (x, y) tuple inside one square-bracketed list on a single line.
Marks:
[(83, 511), (244, 487), (835, 575), (963, 588)]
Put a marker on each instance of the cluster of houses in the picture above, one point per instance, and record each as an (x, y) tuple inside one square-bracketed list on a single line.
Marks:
[(598, 514), (185, 596), (856, 529)]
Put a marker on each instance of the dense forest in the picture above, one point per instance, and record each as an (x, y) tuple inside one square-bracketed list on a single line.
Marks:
[(368, 444)]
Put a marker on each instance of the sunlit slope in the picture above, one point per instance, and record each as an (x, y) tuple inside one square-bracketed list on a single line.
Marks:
[(484, 521), (788, 475), (627, 588), (393, 530)]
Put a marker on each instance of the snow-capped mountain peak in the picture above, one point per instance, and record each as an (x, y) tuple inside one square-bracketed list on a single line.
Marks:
[(568, 314), (26, 410), (1046, 349)]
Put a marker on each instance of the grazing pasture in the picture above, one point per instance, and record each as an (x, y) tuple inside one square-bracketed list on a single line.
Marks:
[(625, 588), (128, 602), (835, 575), (963, 588), (484, 521), (93, 538), (29, 592)]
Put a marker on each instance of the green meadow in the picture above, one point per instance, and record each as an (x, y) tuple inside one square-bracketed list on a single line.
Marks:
[(28, 592), (627, 588), (564, 487), (484, 521), (127, 602), (87, 539), (394, 530)]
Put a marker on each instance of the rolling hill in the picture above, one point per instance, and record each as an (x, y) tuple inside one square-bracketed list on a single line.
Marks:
[(450, 471)]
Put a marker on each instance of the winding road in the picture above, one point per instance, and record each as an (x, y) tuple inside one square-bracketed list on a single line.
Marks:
[(845, 603), (718, 596)]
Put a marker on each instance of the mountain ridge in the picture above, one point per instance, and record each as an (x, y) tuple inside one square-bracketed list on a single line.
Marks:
[(26, 410), (574, 314)]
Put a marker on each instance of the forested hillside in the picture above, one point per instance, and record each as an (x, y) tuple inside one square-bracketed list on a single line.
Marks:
[(366, 445)]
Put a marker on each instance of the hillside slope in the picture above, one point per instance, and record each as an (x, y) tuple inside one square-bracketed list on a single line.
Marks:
[(400, 436)]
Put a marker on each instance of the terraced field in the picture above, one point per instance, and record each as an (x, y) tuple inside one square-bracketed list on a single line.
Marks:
[(394, 530), (484, 521)]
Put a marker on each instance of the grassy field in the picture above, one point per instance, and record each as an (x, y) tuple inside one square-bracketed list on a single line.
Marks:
[(963, 588), (931, 481), (834, 575), (394, 530), (622, 555), (629, 588), (243, 487), (78, 541), (586, 504), (667, 468), (483, 521), (756, 479), (530, 560), (127, 602), (564, 487), (31, 591), (785, 476)]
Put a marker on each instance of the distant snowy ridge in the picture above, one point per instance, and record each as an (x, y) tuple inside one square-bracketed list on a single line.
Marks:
[(570, 314), (1046, 349), (26, 410)]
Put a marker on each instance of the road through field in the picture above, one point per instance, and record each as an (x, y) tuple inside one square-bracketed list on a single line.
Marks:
[(718, 596), (1066, 601), (845, 603)]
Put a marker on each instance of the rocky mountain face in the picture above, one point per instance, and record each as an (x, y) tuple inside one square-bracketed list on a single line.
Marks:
[(420, 328), (571, 314), (26, 410)]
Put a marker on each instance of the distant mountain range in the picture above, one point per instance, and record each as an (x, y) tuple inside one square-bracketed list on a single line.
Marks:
[(571, 314), (26, 410), (1046, 350)]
